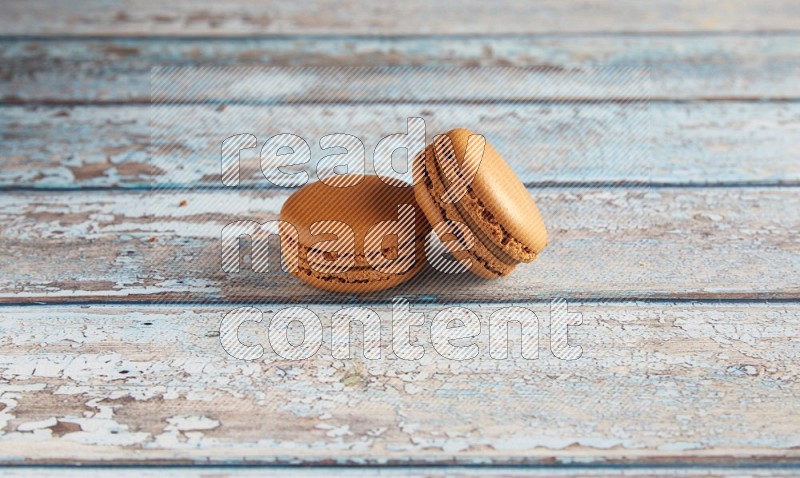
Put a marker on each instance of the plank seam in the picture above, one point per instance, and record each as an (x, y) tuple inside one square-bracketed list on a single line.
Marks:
[(162, 304), (713, 463), (409, 36), (12, 101), (621, 184)]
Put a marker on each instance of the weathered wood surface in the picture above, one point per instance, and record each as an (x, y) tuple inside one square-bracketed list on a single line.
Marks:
[(690, 144), (656, 383), (623, 242), (683, 67), (660, 386), (253, 17), (656, 471)]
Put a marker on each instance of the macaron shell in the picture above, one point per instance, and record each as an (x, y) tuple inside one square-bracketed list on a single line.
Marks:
[(360, 206), (500, 204), (483, 262)]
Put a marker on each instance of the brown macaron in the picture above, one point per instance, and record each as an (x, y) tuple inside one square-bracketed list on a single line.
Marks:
[(460, 177), (365, 237)]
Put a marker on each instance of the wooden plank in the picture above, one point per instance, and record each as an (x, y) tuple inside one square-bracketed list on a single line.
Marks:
[(608, 243), (683, 67), (410, 471), (693, 143), (702, 383), (251, 17)]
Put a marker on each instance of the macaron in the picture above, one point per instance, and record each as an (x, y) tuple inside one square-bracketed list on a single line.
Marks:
[(364, 237), (460, 177)]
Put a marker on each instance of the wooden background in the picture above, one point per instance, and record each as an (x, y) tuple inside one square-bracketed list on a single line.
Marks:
[(686, 270)]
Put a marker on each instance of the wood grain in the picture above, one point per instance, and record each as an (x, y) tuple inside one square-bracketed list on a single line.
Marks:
[(604, 243), (655, 471), (677, 144), (683, 67), (666, 385), (252, 17), (656, 383)]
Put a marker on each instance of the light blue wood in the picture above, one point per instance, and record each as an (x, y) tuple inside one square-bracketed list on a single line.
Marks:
[(657, 383), (686, 67), (659, 144), (685, 218), (726, 243), (210, 18)]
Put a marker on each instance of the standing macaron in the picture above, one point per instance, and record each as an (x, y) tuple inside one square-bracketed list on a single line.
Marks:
[(461, 178), (363, 237)]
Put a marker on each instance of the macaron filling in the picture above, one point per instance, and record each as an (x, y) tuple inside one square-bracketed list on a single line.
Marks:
[(360, 274), (434, 193), (360, 261)]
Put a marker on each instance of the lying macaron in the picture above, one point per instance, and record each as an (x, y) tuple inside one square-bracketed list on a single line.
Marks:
[(460, 177), (365, 237)]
